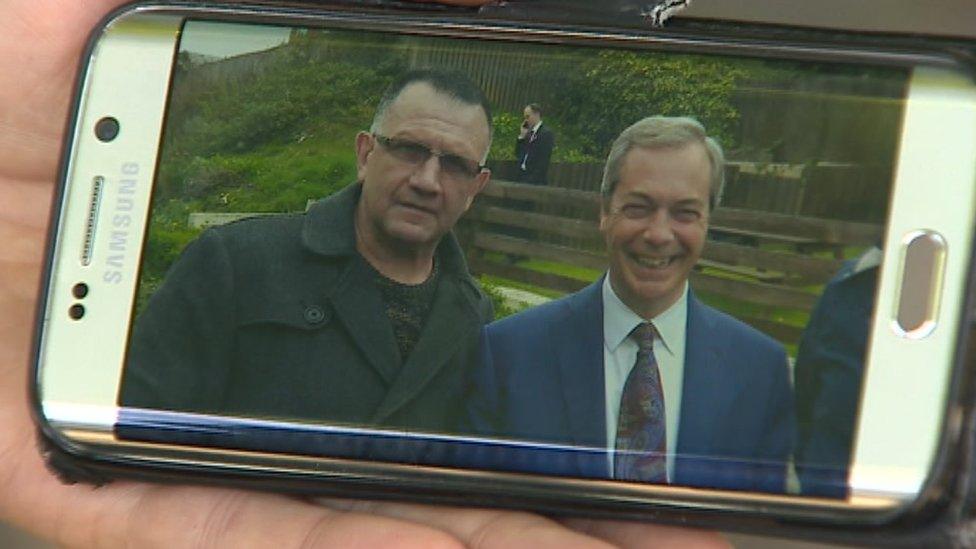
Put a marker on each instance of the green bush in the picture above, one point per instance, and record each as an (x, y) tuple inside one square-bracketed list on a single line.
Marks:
[(498, 301), (587, 107), (289, 99), (616, 88), (506, 126)]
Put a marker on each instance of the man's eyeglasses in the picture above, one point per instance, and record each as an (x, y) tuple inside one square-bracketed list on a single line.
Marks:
[(452, 165)]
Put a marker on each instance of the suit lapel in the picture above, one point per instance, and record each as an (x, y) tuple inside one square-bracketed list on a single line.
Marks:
[(709, 387), (360, 308), (452, 321), (329, 232), (577, 341)]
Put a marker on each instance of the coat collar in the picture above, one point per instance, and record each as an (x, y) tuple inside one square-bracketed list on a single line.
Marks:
[(329, 229)]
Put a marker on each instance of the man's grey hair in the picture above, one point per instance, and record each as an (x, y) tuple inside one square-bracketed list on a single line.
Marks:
[(663, 132), (453, 84)]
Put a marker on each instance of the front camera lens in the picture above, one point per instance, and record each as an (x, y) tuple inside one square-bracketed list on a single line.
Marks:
[(76, 312), (80, 290), (107, 129)]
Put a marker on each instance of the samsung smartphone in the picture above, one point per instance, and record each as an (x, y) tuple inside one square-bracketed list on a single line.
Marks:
[(207, 313)]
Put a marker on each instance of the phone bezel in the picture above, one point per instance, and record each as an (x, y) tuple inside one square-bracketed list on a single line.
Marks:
[(506, 489)]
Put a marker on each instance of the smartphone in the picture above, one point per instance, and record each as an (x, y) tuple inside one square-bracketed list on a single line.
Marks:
[(214, 308)]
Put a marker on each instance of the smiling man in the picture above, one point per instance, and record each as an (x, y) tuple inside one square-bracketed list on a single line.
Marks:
[(633, 378), (360, 311)]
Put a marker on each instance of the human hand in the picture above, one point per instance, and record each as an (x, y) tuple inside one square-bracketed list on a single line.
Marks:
[(42, 41)]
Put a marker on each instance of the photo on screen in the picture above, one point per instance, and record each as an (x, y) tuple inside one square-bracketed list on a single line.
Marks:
[(260, 325)]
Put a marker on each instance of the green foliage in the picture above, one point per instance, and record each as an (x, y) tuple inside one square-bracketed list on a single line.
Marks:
[(563, 269), (165, 243), (313, 88), (317, 100), (262, 134), (290, 98), (518, 284), (268, 132), (588, 106), (168, 235), (569, 145), (617, 88), (506, 126), (498, 301), (271, 179)]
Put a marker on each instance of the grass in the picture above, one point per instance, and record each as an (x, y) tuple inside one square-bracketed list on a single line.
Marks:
[(271, 178), (509, 283), (562, 269), (847, 252), (281, 179), (746, 309)]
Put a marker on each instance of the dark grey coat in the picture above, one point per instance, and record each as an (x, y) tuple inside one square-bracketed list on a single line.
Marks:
[(278, 317)]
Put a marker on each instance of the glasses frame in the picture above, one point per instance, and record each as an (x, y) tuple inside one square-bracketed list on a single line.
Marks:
[(389, 143)]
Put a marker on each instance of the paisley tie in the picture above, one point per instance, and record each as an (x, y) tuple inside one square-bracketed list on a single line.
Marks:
[(641, 444)]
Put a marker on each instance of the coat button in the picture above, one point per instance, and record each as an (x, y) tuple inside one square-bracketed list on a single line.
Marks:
[(314, 315)]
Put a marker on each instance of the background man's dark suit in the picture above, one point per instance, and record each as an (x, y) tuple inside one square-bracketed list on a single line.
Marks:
[(829, 373), (542, 379), (539, 151)]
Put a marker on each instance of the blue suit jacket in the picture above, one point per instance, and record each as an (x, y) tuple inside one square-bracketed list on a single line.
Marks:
[(829, 373), (541, 381)]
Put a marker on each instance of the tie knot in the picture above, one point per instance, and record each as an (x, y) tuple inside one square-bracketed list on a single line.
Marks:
[(644, 334)]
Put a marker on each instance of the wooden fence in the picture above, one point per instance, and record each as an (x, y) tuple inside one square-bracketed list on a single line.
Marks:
[(830, 190), (771, 263), (774, 263)]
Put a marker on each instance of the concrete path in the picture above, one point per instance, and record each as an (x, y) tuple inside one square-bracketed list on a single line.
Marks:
[(520, 299)]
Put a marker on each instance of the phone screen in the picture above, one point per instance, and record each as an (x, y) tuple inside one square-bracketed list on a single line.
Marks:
[(624, 264)]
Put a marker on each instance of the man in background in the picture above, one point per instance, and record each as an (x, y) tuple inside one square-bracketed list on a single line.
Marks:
[(829, 373), (533, 148)]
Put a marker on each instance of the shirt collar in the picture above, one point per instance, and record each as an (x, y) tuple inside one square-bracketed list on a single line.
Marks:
[(537, 126), (868, 260), (619, 320)]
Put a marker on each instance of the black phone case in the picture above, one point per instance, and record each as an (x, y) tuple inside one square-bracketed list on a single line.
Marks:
[(947, 520)]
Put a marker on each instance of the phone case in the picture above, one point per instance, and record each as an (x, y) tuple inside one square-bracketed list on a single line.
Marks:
[(948, 520)]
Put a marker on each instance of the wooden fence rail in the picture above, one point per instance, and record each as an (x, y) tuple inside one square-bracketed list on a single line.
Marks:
[(771, 262)]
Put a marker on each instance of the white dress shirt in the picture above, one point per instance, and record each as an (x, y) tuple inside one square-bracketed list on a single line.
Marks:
[(530, 136), (620, 353)]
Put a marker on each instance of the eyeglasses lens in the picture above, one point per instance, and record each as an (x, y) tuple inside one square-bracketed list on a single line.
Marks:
[(417, 153)]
